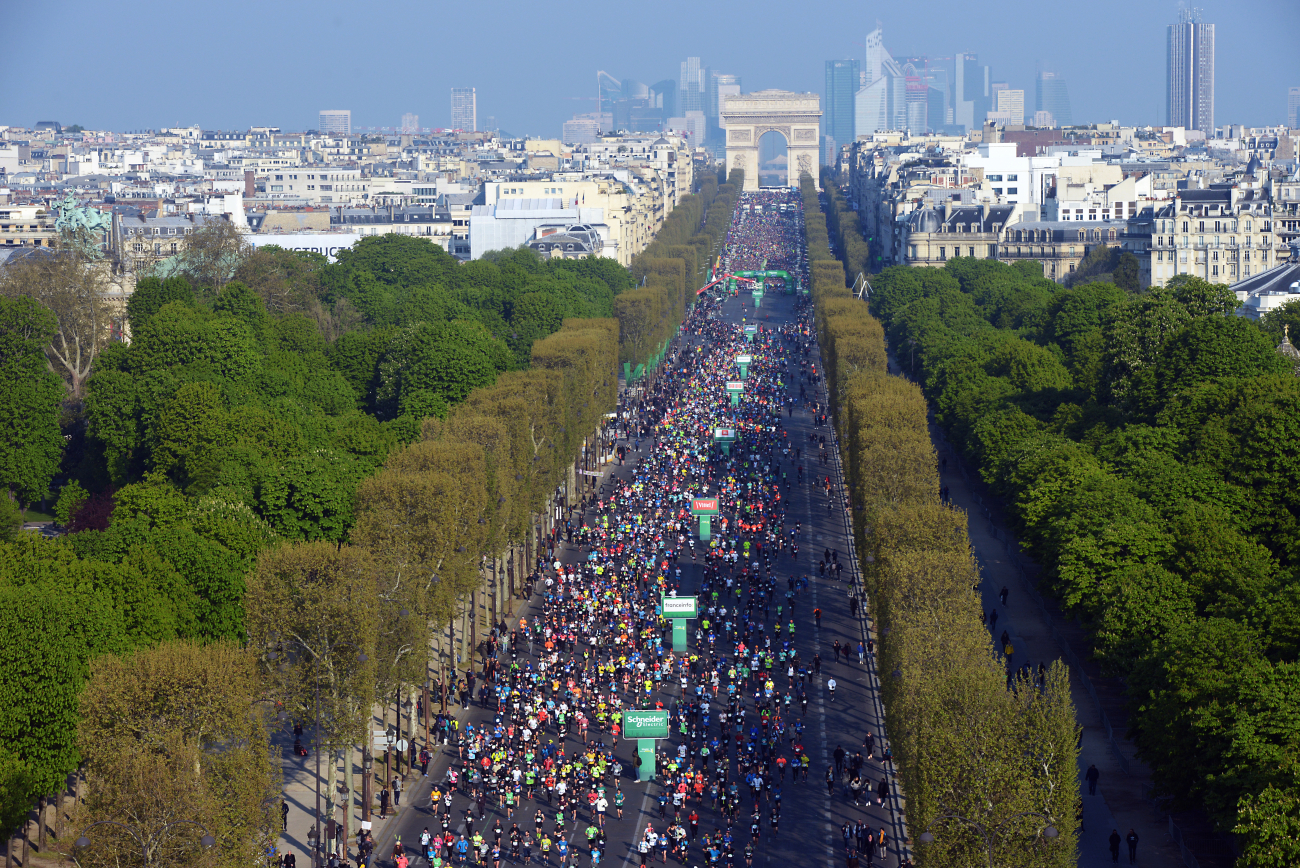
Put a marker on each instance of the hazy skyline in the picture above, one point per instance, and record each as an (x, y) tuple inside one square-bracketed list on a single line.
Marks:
[(242, 63)]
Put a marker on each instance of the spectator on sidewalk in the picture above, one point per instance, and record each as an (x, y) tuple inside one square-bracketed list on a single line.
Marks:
[(1091, 777), (397, 792)]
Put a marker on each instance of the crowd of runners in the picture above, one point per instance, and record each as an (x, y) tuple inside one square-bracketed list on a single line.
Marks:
[(737, 700), (766, 233)]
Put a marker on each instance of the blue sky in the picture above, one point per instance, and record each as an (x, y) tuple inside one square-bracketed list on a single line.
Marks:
[(277, 62)]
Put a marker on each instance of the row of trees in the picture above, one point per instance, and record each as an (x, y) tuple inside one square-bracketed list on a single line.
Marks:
[(1146, 446), (982, 765), (326, 465), (842, 223), (669, 271), (347, 626)]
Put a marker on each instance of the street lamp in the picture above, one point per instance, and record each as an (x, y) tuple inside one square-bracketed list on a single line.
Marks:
[(990, 835), (147, 844)]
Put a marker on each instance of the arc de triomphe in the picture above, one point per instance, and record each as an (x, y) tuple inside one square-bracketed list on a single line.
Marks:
[(797, 116)]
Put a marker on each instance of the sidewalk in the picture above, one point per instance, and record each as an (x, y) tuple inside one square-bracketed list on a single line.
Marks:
[(299, 773), (299, 793), (1120, 802)]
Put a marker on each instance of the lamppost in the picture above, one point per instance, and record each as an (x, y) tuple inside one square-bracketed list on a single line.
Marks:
[(991, 834), (147, 844)]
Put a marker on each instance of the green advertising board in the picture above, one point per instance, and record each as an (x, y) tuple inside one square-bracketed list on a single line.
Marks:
[(648, 723)]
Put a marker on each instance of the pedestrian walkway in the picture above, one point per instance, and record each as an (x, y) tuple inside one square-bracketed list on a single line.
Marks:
[(1120, 802)]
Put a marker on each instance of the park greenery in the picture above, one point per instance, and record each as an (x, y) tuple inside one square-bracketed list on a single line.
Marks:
[(981, 756), (1146, 444), (295, 478)]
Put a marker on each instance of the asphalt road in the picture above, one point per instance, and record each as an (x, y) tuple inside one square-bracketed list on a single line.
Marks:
[(811, 818)]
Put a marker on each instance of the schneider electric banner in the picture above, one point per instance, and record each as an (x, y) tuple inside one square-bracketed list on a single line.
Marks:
[(327, 244), (645, 724), (680, 607)]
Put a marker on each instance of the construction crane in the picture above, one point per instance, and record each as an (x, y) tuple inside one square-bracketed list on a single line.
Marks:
[(600, 90)]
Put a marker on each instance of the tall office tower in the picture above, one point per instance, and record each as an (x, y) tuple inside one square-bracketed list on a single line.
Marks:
[(720, 86), (1293, 107), (939, 76), (728, 85), (663, 97), (931, 88), (464, 109), (1012, 103), (841, 85), (336, 121), (719, 83), (877, 56), (918, 99), (625, 102), (970, 104), (1190, 76), (410, 124), (1051, 96), (881, 104), (692, 85)]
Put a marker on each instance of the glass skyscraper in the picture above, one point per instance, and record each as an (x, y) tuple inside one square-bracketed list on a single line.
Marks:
[(692, 87), (1050, 95), (1190, 81), (464, 109), (842, 78)]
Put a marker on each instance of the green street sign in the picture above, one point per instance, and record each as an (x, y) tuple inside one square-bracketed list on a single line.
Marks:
[(647, 723), (680, 607)]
